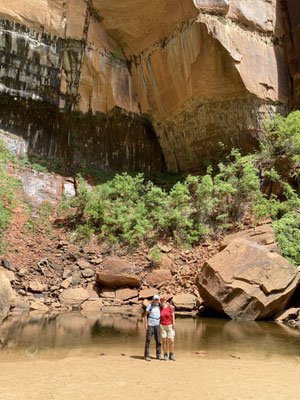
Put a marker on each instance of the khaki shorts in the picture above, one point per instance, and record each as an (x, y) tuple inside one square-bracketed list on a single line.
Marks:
[(167, 331)]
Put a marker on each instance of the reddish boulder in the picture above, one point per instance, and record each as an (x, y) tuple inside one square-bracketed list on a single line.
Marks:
[(126, 294), (73, 297), (92, 305), (184, 302), (245, 281), (147, 294), (159, 276), (118, 273)]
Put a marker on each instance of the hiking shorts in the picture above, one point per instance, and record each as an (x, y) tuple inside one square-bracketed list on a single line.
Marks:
[(167, 331)]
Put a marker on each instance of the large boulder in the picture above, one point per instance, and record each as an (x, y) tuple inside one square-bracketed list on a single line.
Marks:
[(92, 305), (126, 294), (159, 276), (118, 273), (245, 281), (74, 297), (184, 302), (6, 296)]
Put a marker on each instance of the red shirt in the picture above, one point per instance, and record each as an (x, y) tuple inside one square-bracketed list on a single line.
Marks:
[(166, 316)]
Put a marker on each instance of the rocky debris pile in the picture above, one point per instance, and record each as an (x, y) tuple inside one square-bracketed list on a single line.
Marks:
[(245, 281), (69, 277), (50, 273)]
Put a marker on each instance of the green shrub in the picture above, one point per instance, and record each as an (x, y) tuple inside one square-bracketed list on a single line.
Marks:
[(155, 256), (237, 187), (131, 210), (127, 209), (282, 137), (287, 230), (273, 207), (8, 186)]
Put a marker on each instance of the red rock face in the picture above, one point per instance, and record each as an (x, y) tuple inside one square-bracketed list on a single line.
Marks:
[(200, 71)]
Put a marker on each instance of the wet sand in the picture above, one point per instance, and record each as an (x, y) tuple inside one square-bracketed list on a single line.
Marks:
[(124, 377)]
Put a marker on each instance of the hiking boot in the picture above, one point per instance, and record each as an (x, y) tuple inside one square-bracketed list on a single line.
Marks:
[(165, 357), (159, 357), (147, 358), (171, 357)]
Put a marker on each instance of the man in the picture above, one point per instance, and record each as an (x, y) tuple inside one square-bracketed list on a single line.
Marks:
[(152, 326)]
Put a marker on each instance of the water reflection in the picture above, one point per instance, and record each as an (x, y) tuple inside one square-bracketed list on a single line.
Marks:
[(71, 334)]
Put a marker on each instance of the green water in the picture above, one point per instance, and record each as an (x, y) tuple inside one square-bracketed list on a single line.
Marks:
[(73, 334)]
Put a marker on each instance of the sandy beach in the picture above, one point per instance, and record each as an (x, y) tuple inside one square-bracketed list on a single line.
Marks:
[(125, 377)]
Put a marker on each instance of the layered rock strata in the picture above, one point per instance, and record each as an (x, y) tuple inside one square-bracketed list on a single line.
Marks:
[(200, 72), (63, 89)]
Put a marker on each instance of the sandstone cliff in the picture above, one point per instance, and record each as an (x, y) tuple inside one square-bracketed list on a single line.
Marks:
[(156, 83)]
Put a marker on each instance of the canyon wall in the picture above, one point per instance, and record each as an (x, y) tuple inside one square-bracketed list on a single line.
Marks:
[(292, 43), (144, 85)]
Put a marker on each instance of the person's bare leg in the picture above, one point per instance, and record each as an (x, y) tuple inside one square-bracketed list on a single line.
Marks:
[(165, 345), (171, 345)]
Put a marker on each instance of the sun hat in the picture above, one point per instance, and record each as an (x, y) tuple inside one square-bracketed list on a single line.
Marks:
[(156, 297)]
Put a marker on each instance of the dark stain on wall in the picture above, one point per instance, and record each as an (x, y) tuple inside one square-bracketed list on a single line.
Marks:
[(112, 142)]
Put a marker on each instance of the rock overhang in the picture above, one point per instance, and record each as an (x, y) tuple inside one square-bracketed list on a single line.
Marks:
[(138, 24), (200, 70)]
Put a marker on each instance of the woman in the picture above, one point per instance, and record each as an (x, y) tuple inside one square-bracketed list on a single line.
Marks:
[(167, 328)]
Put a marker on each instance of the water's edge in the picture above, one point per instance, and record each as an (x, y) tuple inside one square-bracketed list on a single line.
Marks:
[(74, 334)]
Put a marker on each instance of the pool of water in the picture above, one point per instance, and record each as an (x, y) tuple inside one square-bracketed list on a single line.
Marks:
[(74, 334)]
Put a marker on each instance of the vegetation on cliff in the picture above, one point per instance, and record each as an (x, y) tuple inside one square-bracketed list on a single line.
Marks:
[(131, 209), (8, 186)]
